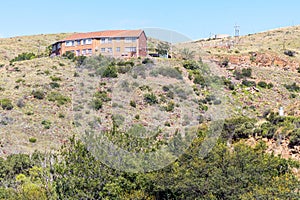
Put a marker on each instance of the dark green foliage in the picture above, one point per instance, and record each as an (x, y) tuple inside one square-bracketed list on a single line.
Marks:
[(295, 138), (238, 128), (110, 72), (147, 61), (270, 85), (102, 95), (46, 124), (163, 48), (69, 55), (24, 56), (80, 60), (38, 94), (190, 64), (262, 84), (225, 62), (132, 103), (248, 83), (58, 98), (55, 78), (199, 79), (32, 140), (96, 104), (245, 73), (54, 85), (292, 88), (150, 98), (6, 104)]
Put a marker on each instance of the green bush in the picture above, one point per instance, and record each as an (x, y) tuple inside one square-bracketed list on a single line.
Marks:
[(150, 98), (69, 55), (58, 98), (190, 64), (110, 72), (295, 138), (38, 94), (32, 140), (54, 85), (6, 104), (248, 83), (23, 56), (147, 61), (132, 103), (170, 106), (96, 104), (262, 84), (55, 78), (199, 79), (292, 88), (46, 123)]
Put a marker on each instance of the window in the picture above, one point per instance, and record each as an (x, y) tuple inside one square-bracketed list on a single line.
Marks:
[(118, 49), (102, 40), (109, 40), (78, 42), (118, 39), (83, 51), (77, 52), (54, 47), (70, 43), (58, 46), (87, 41), (89, 51), (130, 39), (102, 49), (130, 49), (109, 50)]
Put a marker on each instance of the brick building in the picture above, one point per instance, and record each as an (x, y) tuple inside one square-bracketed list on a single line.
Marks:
[(116, 43)]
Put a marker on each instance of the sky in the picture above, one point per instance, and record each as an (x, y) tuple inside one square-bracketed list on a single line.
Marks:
[(193, 19)]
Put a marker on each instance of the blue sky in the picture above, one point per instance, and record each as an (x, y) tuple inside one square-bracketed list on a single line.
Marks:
[(192, 18)]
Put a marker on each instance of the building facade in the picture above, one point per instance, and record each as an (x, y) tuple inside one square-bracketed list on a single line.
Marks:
[(115, 43)]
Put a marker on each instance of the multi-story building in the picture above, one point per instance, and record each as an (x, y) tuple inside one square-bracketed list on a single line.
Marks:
[(116, 43)]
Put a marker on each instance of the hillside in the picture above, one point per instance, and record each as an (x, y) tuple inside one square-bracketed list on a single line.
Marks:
[(204, 123)]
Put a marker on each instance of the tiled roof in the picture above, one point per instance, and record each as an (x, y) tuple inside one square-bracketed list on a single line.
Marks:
[(108, 33)]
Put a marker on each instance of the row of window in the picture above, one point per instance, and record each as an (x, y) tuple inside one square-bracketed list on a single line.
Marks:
[(102, 41), (78, 42), (118, 49)]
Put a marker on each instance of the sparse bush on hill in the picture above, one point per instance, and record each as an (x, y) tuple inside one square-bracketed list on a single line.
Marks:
[(262, 84), (23, 56), (147, 61), (150, 98), (245, 73), (190, 64), (289, 53), (38, 94), (187, 54), (6, 104), (69, 55), (46, 124), (110, 72), (292, 88), (166, 71), (58, 98), (248, 83)]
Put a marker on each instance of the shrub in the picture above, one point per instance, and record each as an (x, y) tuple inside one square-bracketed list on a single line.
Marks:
[(6, 104), (270, 85), (23, 56), (231, 86), (96, 104), (69, 55), (192, 65), (225, 62), (167, 71), (32, 140), (199, 79), (46, 123), (132, 103), (295, 138), (298, 69), (262, 84), (289, 53), (110, 72), (217, 102), (54, 85), (55, 78), (165, 88), (170, 106), (147, 60), (38, 94), (150, 98), (248, 83), (102, 95), (292, 88), (58, 98)]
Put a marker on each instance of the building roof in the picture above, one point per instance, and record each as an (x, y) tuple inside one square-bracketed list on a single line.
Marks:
[(108, 33)]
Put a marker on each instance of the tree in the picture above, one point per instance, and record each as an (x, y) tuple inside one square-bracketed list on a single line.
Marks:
[(163, 48)]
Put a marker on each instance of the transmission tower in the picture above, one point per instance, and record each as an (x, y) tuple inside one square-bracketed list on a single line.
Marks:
[(236, 31)]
